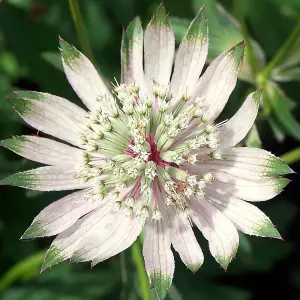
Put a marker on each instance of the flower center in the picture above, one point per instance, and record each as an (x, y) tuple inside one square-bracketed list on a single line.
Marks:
[(144, 143), (154, 153)]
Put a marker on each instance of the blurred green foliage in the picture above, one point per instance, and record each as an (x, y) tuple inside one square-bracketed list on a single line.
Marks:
[(29, 59)]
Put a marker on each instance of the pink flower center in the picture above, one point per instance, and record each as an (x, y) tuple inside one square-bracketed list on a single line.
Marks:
[(154, 153)]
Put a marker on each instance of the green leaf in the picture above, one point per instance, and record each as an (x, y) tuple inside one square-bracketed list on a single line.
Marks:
[(54, 59), (285, 75), (9, 64), (204, 289), (180, 27), (245, 245), (32, 194), (224, 33), (229, 33), (95, 17), (25, 4), (291, 156), (25, 268), (174, 294), (292, 55), (37, 293), (253, 139), (276, 97), (277, 129)]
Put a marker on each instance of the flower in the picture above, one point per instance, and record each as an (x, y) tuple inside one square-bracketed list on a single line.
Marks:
[(148, 156)]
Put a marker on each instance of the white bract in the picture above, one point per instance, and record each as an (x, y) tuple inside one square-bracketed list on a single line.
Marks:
[(148, 155)]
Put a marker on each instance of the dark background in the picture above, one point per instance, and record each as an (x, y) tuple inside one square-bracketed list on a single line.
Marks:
[(29, 30)]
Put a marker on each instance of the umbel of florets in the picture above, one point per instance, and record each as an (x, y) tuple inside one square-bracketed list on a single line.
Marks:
[(148, 155)]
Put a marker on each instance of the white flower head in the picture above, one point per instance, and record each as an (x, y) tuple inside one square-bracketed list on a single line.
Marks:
[(148, 155)]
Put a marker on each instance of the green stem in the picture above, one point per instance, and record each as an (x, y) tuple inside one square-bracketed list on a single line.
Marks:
[(30, 266), (123, 274), (291, 156), (136, 253), (266, 109), (244, 29), (281, 53), (81, 31)]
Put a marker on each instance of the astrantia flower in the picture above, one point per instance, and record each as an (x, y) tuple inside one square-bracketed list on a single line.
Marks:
[(148, 156)]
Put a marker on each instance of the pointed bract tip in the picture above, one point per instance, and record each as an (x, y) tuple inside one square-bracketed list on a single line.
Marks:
[(281, 183), (225, 261), (256, 96), (241, 43), (45, 265), (193, 267), (28, 236), (267, 229), (160, 12), (224, 266), (277, 236), (62, 42), (69, 52), (201, 13), (276, 166), (259, 92), (134, 29), (237, 54)]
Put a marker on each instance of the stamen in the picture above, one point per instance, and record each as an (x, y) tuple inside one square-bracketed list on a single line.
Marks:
[(135, 152), (156, 215)]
